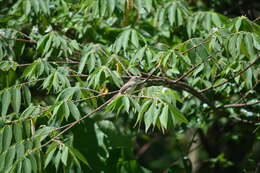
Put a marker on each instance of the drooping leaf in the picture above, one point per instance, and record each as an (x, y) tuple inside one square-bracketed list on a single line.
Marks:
[(27, 167), (6, 100), (143, 109), (74, 110), (9, 159), (78, 155), (50, 153), (164, 116), (16, 99), (177, 114), (149, 116), (64, 156), (18, 132), (7, 136)]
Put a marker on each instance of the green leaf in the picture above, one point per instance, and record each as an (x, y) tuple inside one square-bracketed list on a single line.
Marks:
[(172, 14), (143, 109), (116, 79), (249, 76), (118, 44), (16, 99), (18, 132), (76, 153), (67, 94), (164, 116), (9, 158), (138, 56), (207, 21), (48, 43), (66, 110), (149, 116), (57, 159), (82, 63), (30, 70), (232, 45), (126, 103), (134, 38), (249, 45), (238, 44), (7, 136), (27, 127), (35, 5), (185, 58), (74, 110), (33, 163), (179, 17), (99, 77), (256, 42), (216, 19), (27, 167), (6, 100), (161, 16), (49, 155), (115, 103), (135, 103), (18, 167), (1, 140), (27, 94), (44, 6), (27, 7), (91, 63), (64, 156), (238, 24), (148, 5), (111, 6), (125, 38), (20, 150), (28, 145), (2, 163), (157, 112), (41, 43), (177, 114), (103, 7)]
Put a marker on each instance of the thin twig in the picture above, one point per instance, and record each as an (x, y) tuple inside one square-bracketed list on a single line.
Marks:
[(201, 43), (188, 72), (21, 33), (256, 19), (238, 105), (92, 97), (143, 97), (191, 70), (89, 89), (192, 140), (146, 146), (18, 39), (243, 120), (184, 86)]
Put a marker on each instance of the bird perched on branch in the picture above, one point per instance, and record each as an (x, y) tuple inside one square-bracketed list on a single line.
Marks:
[(130, 85)]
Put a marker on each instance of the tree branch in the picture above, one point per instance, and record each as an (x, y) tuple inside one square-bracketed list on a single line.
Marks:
[(19, 39), (238, 105), (183, 86)]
